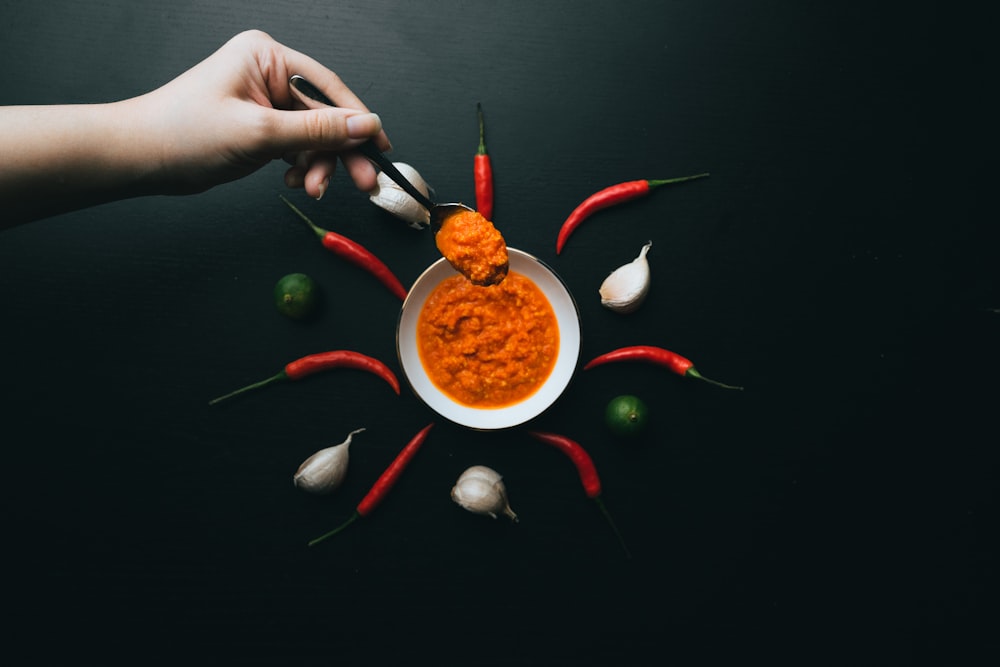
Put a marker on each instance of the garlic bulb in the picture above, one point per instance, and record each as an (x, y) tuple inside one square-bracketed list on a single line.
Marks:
[(389, 196), (324, 471), (626, 287), (481, 490)]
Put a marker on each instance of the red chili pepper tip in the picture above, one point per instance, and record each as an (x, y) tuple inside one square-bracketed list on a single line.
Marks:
[(609, 196), (321, 361)]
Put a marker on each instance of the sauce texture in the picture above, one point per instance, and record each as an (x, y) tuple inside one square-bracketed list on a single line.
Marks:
[(474, 247), (488, 347)]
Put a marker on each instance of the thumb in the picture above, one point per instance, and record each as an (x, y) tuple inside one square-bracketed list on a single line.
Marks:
[(331, 129)]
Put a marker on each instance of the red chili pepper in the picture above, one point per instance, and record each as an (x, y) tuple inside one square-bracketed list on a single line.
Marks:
[(586, 469), (322, 361), (355, 253), (615, 194), (383, 484), (655, 355), (580, 458), (483, 170)]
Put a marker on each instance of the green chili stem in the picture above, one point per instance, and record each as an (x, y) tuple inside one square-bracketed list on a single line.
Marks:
[(657, 183), (611, 521), (256, 385), (482, 130), (354, 517), (320, 232), (695, 374)]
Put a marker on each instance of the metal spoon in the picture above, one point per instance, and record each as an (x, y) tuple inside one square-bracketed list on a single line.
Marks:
[(313, 98)]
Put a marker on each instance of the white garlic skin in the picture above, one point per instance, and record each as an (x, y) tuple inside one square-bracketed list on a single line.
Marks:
[(481, 490), (324, 471), (624, 290), (389, 196)]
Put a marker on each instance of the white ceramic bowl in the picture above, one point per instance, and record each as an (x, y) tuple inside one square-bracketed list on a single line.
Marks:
[(567, 318)]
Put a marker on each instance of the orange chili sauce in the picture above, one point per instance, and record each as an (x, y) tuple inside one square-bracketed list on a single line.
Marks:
[(474, 247), (488, 347)]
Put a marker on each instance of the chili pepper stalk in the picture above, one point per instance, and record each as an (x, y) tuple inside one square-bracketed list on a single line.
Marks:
[(588, 474), (610, 196), (382, 485)]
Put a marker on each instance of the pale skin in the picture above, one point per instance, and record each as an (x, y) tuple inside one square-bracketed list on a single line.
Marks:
[(221, 120)]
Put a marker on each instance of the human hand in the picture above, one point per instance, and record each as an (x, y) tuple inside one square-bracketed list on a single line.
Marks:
[(224, 118), (234, 112)]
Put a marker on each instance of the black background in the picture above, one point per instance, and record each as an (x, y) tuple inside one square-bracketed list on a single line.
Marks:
[(839, 263)]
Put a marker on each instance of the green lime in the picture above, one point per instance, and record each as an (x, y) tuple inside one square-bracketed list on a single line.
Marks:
[(626, 415), (296, 296)]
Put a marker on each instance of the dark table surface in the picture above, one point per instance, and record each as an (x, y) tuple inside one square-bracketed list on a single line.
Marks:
[(838, 263)]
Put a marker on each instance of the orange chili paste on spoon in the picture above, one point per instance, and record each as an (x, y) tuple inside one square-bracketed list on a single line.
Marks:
[(474, 247)]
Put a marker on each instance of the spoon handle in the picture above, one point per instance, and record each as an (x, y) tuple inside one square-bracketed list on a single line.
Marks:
[(368, 148)]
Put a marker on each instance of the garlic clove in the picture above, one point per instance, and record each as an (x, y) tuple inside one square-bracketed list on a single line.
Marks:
[(392, 198), (480, 490), (624, 290), (481, 472), (324, 471)]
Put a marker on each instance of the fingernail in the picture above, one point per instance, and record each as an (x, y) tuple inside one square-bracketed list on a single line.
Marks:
[(363, 125), (324, 184)]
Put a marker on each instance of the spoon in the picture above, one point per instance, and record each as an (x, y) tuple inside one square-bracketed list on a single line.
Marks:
[(313, 98)]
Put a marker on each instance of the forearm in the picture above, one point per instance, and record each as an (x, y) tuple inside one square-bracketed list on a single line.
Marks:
[(64, 157)]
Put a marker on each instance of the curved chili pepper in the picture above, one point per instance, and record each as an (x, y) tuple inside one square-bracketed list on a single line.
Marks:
[(483, 172), (655, 355), (382, 485), (321, 361), (586, 469), (609, 196), (355, 253), (580, 458)]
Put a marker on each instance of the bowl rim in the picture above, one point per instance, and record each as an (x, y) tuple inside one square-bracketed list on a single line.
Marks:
[(568, 320)]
